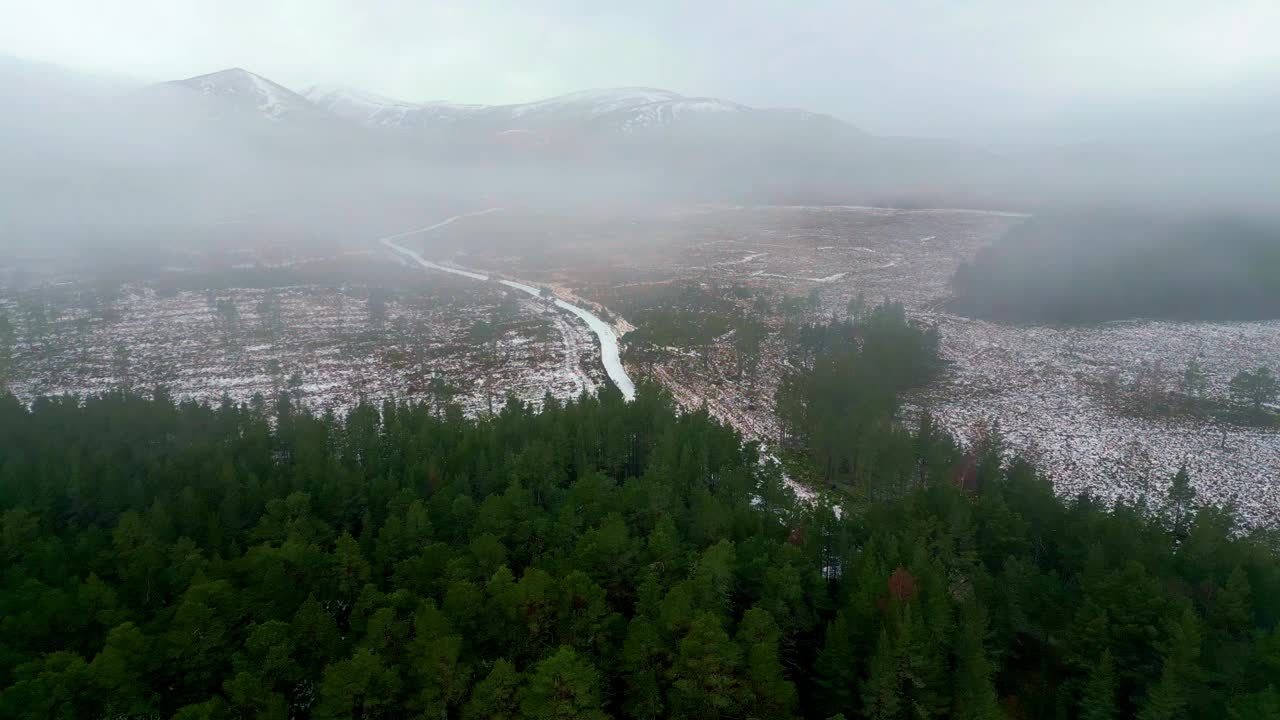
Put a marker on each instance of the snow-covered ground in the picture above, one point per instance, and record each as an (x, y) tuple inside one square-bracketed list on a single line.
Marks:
[(326, 334), (610, 354), (1042, 385), (1039, 383)]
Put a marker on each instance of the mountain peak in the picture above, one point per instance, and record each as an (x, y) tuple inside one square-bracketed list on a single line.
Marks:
[(246, 91), (226, 74)]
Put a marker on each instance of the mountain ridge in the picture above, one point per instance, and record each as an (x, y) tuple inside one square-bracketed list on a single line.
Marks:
[(244, 91), (599, 114)]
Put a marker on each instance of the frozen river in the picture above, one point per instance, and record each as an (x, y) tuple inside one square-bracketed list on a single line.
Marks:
[(610, 351)]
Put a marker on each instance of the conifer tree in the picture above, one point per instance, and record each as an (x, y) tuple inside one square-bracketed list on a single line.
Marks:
[(1098, 702), (563, 686)]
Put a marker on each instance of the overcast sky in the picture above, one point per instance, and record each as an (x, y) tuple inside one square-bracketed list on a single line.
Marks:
[(925, 67)]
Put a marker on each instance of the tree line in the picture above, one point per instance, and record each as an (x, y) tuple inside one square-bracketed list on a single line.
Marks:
[(1249, 397), (1103, 265), (838, 406), (602, 559)]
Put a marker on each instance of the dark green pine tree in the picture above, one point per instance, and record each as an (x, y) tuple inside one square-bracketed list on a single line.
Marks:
[(361, 686), (882, 693), (563, 686), (643, 662), (1232, 612), (350, 569), (1263, 705), (1170, 697), (924, 660), (314, 634), (705, 682), (1180, 504), (836, 668), (435, 659), (1099, 699), (975, 695), (496, 697), (772, 696)]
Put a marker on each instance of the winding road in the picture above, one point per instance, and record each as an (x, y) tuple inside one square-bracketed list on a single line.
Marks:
[(610, 352)]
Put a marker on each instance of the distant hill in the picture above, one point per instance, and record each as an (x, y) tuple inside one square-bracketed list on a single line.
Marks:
[(238, 90), (635, 141), (232, 142), (613, 114), (630, 116)]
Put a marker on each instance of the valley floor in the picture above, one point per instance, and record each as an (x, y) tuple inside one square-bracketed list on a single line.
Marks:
[(1043, 386), (339, 346), (1048, 389)]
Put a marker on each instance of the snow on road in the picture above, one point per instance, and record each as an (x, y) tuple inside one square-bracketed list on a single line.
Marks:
[(389, 241), (746, 259), (827, 279), (610, 352)]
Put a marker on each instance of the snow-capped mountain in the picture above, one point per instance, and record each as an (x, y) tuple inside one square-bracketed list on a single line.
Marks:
[(626, 127), (580, 107), (713, 117), (615, 113), (567, 110), (240, 91), (374, 111), (637, 116)]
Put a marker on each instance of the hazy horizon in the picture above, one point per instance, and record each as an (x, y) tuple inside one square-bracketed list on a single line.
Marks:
[(991, 104), (982, 71)]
